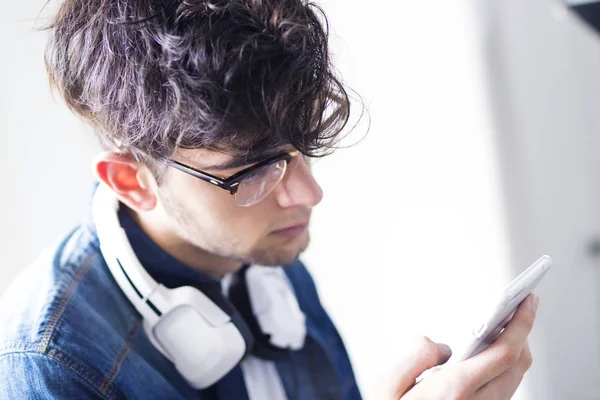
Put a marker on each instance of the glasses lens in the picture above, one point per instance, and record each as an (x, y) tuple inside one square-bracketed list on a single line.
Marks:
[(260, 183)]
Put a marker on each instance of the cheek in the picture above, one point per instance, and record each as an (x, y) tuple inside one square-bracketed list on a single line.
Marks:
[(248, 227), (216, 210), (198, 201), (197, 194), (250, 223)]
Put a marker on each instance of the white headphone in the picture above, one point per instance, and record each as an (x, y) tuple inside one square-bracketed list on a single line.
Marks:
[(203, 340)]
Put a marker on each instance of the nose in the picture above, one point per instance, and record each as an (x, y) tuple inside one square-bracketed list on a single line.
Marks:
[(299, 187)]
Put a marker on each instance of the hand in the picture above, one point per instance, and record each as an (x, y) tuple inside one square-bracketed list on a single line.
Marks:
[(493, 374)]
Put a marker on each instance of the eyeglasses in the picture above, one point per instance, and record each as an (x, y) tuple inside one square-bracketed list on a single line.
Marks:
[(250, 185)]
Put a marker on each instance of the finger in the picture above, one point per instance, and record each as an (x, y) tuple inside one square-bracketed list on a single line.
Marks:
[(426, 354), (506, 384), (502, 387), (506, 351)]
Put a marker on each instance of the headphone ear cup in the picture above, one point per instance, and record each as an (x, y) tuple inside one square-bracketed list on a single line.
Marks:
[(201, 352), (214, 293), (239, 296)]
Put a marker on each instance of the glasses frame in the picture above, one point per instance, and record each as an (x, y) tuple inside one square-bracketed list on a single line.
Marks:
[(231, 183)]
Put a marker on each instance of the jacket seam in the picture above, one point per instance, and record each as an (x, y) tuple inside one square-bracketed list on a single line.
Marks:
[(114, 371), (68, 362), (62, 304)]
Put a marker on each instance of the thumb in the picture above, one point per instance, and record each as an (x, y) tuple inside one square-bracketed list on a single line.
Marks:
[(426, 354)]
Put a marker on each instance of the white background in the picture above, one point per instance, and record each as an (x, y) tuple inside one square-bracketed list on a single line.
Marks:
[(424, 220), (44, 151)]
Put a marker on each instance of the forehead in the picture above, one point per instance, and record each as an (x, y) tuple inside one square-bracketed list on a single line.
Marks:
[(202, 157)]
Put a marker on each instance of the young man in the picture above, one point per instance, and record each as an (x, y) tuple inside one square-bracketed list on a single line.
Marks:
[(210, 112)]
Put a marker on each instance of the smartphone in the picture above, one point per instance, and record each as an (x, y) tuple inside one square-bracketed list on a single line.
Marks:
[(488, 330)]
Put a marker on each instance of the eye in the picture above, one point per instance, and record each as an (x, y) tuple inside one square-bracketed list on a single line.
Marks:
[(260, 183)]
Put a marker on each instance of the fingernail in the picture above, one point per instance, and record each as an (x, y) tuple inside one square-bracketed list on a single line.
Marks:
[(534, 302)]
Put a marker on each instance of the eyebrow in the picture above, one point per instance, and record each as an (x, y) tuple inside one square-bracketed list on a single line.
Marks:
[(243, 161)]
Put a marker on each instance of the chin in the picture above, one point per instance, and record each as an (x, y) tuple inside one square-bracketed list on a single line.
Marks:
[(275, 259), (281, 255)]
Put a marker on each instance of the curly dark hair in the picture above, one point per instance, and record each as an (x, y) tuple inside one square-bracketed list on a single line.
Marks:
[(237, 76)]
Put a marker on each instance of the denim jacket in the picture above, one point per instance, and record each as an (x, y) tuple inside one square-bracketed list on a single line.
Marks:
[(68, 332)]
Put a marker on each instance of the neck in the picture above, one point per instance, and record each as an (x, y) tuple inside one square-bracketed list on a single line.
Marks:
[(183, 251)]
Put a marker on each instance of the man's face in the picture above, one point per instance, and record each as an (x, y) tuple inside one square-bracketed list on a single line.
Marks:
[(271, 232)]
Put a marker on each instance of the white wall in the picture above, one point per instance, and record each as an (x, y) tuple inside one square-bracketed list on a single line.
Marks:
[(412, 225), (45, 152), (545, 66), (411, 228)]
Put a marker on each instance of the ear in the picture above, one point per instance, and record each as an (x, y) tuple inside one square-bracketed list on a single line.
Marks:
[(132, 182)]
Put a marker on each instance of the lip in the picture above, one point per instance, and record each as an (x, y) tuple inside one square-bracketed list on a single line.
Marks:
[(292, 231)]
